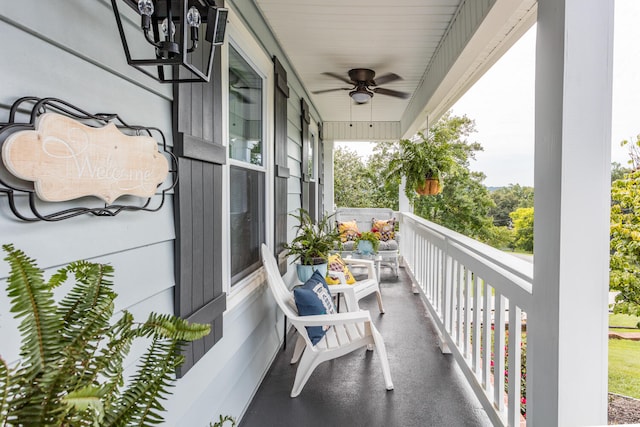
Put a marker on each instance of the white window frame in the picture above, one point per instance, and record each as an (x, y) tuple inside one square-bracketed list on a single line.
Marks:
[(244, 43)]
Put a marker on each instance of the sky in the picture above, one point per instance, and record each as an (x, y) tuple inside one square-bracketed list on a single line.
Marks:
[(502, 103)]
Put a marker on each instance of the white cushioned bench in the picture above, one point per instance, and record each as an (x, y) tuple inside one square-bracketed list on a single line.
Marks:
[(388, 251)]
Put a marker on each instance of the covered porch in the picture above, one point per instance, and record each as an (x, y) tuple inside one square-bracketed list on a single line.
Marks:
[(279, 91), (429, 387), (449, 329)]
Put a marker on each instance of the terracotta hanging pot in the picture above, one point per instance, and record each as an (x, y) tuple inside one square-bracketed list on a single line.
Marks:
[(430, 187)]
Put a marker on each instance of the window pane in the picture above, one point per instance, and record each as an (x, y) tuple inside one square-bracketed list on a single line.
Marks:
[(245, 110), (247, 221), (312, 143)]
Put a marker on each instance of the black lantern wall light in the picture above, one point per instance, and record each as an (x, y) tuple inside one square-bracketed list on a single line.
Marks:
[(175, 40)]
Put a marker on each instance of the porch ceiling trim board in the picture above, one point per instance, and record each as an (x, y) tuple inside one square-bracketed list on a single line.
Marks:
[(362, 131), (479, 36)]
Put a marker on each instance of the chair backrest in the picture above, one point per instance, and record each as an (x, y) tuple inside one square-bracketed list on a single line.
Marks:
[(363, 216), (281, 293)]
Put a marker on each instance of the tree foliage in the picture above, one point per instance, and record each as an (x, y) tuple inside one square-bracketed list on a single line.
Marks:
[(523, 228), (72, 353), (634, 152), (384, 190), (618, 171), (507, 200), (625, 244), (360, 183), (351, 179)]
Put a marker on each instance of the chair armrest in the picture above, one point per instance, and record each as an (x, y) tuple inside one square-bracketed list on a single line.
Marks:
[(371, 271), (339, 289), (333, 319), (340, 275)]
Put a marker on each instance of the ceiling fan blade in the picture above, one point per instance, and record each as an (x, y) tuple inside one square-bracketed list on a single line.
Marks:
[(386, 78), (331, 90), (391, 92), (339, 77)]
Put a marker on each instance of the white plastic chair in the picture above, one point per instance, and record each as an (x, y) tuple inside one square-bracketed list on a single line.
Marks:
[(356, 291), (347, 331)]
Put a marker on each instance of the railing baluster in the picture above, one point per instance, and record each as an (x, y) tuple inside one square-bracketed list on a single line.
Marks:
[(498, 352), (460, 307), (451, 301), (445, 285), (467, 312), (477, 326), (486, 335), (515, 364)]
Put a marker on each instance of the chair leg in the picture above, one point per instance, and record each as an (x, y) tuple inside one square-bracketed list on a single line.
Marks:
[(298, 349), (306, 366), (379, 298), (382, 354)]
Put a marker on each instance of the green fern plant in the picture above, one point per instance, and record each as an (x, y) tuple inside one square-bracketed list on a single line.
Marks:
[(71, 356)]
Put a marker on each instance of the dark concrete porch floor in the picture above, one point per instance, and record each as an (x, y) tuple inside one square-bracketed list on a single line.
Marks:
[(350, 392)]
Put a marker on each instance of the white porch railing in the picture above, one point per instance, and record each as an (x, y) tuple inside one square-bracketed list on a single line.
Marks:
[(467, 286)]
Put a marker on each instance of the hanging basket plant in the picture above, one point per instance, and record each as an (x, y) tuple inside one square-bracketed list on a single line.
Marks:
[(429, 159), (430, 187)]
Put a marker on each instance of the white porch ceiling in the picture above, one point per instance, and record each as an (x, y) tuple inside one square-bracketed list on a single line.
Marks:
[(402, 37)]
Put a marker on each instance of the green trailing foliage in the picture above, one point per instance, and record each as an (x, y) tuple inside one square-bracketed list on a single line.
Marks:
[(70, 372)]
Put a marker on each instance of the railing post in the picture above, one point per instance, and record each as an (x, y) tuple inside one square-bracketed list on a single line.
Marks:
[(567, 381)]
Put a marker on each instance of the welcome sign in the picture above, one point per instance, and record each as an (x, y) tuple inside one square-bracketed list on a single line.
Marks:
[(66, 159)]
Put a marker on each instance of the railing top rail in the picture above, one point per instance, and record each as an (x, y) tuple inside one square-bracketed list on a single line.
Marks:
[(515, 270)]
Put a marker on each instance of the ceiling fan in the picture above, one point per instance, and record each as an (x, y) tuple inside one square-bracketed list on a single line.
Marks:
[(365, 84), (237, 82)]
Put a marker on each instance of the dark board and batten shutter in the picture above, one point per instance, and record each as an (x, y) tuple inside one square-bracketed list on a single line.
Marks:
[(305, 120), (281, 162), (320, 174), (199, 296)]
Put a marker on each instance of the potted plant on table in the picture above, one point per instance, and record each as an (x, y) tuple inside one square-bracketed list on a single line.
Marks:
[(367, 243), (312, 244)]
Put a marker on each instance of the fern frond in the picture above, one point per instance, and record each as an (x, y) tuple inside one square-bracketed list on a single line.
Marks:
[(87, 400), (168, 326), (4, 390), (111, 357), (58, 278), (93, 284), (32, 300), (140, 404)]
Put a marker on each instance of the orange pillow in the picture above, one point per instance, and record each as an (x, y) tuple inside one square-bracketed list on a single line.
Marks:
[(336, 263), (348, 230), (384, 228)]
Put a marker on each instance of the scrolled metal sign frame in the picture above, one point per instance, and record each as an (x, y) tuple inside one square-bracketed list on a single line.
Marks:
[(63, 153)]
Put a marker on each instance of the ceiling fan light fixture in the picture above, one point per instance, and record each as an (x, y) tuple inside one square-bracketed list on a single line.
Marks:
[(361, 96)]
